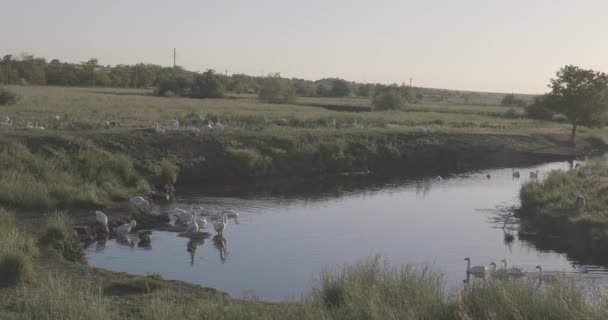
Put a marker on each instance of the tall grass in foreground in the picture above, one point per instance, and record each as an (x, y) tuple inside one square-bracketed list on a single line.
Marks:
[(17, 250), (366, 290), (526, 299), (59, 298)]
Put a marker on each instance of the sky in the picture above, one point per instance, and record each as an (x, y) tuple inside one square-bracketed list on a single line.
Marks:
[(482, 45)]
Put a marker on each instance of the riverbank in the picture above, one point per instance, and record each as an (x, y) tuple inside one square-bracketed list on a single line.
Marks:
[(571, 203), (52, 287), (50, 170)]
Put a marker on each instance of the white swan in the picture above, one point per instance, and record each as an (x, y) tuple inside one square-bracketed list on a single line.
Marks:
[(438, 179), (6, 121), (232, 213), (195, 131), (579, 201), (174, 124), (158, 129), (543, 276), (29, 125), (36, 126), (125, 228), (138, 201), (181, 214), (515, 174), (511, 271), (210, 124), (201, 221), (192, 225), (103, 219), (475, 269), (220, 226), (219, 124)]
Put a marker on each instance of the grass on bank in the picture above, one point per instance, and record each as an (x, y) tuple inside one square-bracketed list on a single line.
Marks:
[(17, 251), (555, 195)]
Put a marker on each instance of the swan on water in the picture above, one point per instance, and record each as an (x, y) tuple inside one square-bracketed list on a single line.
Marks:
[(125, 228), (220, 226), (475, 269), (543, 276), (232, 213), (192, 225), (515, 174), (513, 270), (438, 179), (103, 219), (201, 221), (534, 174)]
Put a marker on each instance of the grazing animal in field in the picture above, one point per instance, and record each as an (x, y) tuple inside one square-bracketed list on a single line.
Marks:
[(125, 228), (475, 269), (221, 226), (515, 174), (102, 219)]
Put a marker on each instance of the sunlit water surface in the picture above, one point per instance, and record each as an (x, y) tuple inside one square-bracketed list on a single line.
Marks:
[(280, 244)]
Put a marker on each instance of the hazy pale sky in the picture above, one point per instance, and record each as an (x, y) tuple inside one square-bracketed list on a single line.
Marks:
[(486, 45)]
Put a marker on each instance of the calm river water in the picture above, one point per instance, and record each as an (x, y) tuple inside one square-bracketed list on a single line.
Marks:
[(281, 243)]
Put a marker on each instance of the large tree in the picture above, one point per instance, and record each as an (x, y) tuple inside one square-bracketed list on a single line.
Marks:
[(580, 94)]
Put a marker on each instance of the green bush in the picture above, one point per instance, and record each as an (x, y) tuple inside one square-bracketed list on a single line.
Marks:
[(59, 228), (17, 250), (207, 85), (7, 97), (276, 90), (390, 97), (510, 114)]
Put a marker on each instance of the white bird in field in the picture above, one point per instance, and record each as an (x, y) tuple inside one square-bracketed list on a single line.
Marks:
[(195, 131), (579, 201), (158, 129), (103, 219), (125, 228), (210, 124), (29, 125), (138, 201), (174, 124), (219, 124), (220, 226), (5, 119), (38, 127), (475, 269), (515, 174), (192, 225), (232, 213), (534, 174), (332, 123)]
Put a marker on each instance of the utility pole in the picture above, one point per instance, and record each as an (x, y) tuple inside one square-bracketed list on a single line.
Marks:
[(226, 72), (410, 82), (173, 58)]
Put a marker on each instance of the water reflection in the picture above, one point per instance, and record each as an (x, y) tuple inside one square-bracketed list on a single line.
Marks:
[(220, 243)]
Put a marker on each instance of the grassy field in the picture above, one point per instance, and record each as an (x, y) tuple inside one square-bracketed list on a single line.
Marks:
[(88, 108)]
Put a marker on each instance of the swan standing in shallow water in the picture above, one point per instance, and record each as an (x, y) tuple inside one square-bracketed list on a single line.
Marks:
[(192, 225), (515, 174), (103, 219), (125, 228), (475, 269), (201, 221), (138, 201), (220, 226), (534, 174)]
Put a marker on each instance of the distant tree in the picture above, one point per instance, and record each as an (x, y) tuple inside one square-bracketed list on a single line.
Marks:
[(120, 76), (340, 88), (390, 97), (276, 90), (364, 90), (304, 88), (579, 94), (508, 100), (539, 110), (207, 85)]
